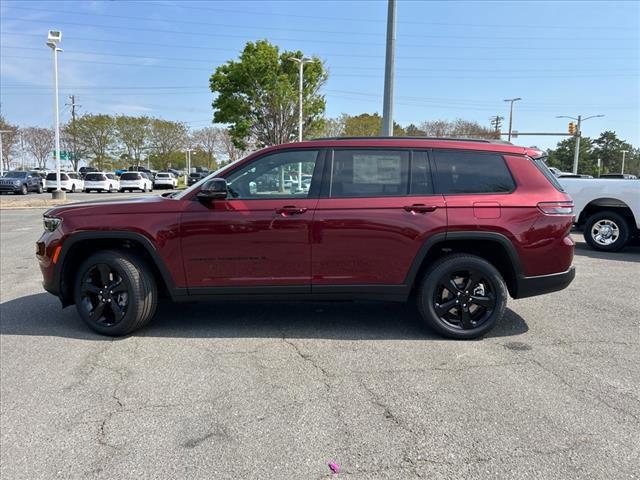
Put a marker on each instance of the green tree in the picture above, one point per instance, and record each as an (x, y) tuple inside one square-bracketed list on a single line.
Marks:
[(97, 135), (166, 138), (458, 128), (258, 95), (608, 148), (367, 125), (133, 133), (562, 156)]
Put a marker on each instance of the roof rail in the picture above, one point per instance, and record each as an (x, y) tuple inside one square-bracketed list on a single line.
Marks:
[(451, 139)]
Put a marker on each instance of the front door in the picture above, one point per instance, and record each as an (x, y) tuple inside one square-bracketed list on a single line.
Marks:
[(376, 211), (260, 235)]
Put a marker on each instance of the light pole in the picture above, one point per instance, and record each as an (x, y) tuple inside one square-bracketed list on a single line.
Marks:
[(300, 62), (389, 71), (1, 151), (53, 39), (512, 101), (624, 153), (579, 120)]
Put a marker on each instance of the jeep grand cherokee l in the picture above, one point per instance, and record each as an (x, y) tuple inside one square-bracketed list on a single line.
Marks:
[(453, 225)]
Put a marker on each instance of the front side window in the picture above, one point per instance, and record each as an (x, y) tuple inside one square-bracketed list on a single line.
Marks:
[(369, 173), (471, 172), (278, 175)]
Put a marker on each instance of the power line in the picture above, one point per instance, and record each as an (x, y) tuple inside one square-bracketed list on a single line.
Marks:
[(182, 5), (335, 54), (338, 42), (461, 77), (304, 30)]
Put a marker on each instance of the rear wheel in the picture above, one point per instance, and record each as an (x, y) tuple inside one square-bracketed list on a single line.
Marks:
[(115, 293), (462, 296), (606, 231)]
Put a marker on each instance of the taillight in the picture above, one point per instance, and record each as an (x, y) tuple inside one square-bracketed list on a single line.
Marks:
[(556, 208)]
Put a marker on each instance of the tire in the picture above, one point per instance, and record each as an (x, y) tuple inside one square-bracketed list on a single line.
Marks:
[(86, 190), (24, 189), (121, 190), (39, 189), (615, 227), (73, 188), (478, 319), (130, 276)]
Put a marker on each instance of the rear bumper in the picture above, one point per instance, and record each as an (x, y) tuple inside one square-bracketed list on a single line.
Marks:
[(539, 285)]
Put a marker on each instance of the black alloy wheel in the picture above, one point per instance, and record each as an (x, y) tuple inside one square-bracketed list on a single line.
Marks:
[(464, 299), (104, 295)]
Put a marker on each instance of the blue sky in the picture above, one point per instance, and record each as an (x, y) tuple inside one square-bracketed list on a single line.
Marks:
[(454, 59)]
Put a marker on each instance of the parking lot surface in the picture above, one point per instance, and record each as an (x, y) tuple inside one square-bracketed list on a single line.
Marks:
[(238, 390)]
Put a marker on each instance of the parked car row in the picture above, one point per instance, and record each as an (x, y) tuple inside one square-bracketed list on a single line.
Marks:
[(23, 182)]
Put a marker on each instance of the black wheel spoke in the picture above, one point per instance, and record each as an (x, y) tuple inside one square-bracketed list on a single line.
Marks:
[(117, 310), (465, 318), (96, 313), (486, 302), (90, 288), (471, 281), (452, 287), (105, 273), (118, 287), (443, 308)]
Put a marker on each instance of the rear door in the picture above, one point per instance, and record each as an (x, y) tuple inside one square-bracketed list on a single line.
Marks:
[(377, 209)]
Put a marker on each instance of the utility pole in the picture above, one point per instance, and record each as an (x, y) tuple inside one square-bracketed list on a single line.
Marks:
[(496, 123), (578, 135), (73, 106), (511, 100), (389, 68), (624, 153)]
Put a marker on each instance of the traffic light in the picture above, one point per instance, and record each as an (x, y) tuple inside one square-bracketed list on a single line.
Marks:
[(572, 128)]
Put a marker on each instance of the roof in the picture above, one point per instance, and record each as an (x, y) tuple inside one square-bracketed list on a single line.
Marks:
[(416, 142)]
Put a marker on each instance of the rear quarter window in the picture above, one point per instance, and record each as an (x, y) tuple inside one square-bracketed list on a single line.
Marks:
[(459, 172)]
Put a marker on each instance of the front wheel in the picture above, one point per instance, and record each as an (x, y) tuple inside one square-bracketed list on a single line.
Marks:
[(24, 190), (115, 293), (606, 231), (39, 189), (462, 296)]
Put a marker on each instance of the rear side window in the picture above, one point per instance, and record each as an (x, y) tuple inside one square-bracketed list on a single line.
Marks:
[(369, 173), (421, 183), (472, 172), (130, 176), (542, 166)]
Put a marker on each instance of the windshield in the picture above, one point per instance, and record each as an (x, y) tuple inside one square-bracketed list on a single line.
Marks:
[(196, 185), (15, 175)]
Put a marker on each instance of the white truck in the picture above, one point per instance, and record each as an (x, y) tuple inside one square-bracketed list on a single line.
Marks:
[(608, 210)]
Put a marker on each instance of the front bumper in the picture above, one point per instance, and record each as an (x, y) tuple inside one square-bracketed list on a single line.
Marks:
[(539, 285), (10, 188)]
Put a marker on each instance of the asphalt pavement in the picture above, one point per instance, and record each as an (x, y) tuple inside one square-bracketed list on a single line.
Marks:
[(239, 390)]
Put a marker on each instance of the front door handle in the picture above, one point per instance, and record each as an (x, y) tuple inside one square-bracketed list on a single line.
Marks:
[(420, 208), (290, 210)]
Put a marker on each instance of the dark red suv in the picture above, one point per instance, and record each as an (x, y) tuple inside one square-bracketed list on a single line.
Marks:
[(452, 224)]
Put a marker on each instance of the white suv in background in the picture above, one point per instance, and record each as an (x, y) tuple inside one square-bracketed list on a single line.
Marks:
[(165, 180), (69, 182), (101, 182), (135, 181)]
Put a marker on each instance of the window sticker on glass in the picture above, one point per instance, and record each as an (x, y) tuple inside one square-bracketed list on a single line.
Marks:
[(377, 169)]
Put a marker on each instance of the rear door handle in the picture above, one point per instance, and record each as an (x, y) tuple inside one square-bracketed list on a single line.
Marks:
[(420, 208), (290, 210)]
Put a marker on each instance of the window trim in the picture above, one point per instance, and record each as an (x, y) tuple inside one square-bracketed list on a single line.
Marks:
[(315, 179), (437, 189)]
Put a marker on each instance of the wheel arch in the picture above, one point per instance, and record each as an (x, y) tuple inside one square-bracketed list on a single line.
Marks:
[(607, 204), (496, 248), (78, 246)]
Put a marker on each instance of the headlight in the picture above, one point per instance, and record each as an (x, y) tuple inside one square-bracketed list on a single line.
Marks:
[(51, 223)]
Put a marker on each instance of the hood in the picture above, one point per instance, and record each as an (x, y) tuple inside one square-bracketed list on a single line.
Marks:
[(127, 206)]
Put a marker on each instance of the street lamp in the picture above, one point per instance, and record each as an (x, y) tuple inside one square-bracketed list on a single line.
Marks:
[(511, 100), (300, 62), (578, 134), (1, 152), (53, 39)]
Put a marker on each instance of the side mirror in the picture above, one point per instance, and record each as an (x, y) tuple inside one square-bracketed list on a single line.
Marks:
[(216, 188)]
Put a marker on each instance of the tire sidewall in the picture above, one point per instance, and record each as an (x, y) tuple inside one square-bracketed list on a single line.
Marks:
[(618, 220), (430, 284)]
